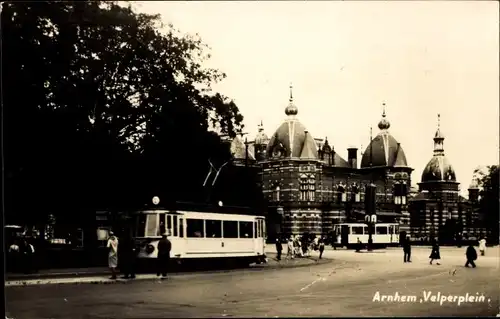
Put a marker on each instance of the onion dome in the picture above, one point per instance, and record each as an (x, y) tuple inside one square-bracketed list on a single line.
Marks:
[(384, 149), (291, 139), (438, 168), (261, 138)]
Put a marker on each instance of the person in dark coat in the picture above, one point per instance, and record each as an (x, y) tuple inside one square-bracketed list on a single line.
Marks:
[(164, 248), (279, 248), (435, 255), (128, 257), (321, 244), (407, 250), (471, 255)]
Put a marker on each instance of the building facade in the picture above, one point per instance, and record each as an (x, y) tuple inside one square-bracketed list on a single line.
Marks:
[(308, 186)]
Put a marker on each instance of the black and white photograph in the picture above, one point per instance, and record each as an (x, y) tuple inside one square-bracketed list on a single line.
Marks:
[(252, 159)]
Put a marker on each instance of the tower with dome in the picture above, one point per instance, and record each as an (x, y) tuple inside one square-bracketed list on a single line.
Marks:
[(439, 211)]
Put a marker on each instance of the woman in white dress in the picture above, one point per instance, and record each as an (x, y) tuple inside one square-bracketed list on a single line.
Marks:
[(113, 254), (482, 246)]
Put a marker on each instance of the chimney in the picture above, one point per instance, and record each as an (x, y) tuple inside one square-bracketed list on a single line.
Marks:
[(352, 157), (474, 194)]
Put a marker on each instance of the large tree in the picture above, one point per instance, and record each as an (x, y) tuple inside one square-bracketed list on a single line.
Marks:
[(489, 199), (104, 106)]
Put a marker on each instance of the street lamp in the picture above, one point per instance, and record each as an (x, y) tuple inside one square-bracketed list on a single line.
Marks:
[(370, 213)]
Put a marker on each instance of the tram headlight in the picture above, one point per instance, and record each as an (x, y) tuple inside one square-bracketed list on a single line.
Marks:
[(150, 249)]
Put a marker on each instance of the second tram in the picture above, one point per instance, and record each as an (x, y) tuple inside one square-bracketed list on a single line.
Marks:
[(384, 234)]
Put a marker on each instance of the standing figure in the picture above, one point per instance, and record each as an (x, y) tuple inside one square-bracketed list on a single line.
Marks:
[(13, 262), (471, 255), (279, 248), (112, 254), (359, 245), (164, 247), (28, 257), (482, 246), (435, 255), (407, 250), (128, 256), (321, 244), (290, 250)]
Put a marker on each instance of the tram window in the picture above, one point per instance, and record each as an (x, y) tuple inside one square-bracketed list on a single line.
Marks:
[(381, 230), (141, 225), (391, 230), (152, 223), (169, 225), (259, 229), (161, 229), (194, 228), (356, 230), (213, 228), (246, 230), (255, 228), (181, 227), (175, 226), (230, 229)]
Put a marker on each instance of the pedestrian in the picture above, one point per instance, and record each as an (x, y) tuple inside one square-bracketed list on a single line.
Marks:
[(321, 244), (359, 245), (471, 255), (127, 256), (112, 254), (163, 259), (290, 249), (435, 255), (14, 256), (407, 250), (28, 252), (482, 246), (279, 248)]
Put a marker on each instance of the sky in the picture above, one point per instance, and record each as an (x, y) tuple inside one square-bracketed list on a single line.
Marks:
[(346, 58)]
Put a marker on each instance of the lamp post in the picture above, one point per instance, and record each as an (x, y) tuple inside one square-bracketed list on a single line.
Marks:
[(370, 213), (400, 193)]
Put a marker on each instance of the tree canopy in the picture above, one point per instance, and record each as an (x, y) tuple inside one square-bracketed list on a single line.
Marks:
[(105, 106), (489, 198)]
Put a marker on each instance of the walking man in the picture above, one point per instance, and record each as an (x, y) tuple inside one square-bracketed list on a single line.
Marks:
[(128, 257), (321, 244), (164, 247), (279, 248), (112, 254), (407, 250), (471, 255)]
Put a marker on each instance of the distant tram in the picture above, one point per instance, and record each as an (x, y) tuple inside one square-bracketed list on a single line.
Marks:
[(384, 234), (194, 235)]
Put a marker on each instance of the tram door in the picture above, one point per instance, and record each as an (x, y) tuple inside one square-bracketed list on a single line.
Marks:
[(174, 223), (344, 229)]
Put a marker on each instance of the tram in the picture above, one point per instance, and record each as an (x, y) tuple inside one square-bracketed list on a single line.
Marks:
[(384, 234), (197, 236)]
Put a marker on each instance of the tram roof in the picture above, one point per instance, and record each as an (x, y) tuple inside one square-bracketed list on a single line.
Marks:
[(205, 208)]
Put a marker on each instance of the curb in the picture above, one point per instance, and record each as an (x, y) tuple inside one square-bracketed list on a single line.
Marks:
[(46, 281)]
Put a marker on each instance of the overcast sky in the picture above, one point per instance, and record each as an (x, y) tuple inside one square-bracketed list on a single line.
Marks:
[(346, 58)]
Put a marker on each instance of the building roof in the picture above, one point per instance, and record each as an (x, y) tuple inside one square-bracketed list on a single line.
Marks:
[(384, 149), (238, 149), (291, 139), (439, 168)]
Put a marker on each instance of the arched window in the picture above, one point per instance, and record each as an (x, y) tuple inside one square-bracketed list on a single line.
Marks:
[(276, 194), (307, 187)]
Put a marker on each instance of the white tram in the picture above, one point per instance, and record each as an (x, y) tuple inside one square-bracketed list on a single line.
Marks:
[(202, 235), (384, 234)]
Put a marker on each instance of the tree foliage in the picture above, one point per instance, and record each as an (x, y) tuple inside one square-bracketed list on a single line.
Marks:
[(489, 198), (101, 108)]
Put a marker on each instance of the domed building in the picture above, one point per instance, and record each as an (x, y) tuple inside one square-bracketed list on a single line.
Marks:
[(439, 211), (309, 186)]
